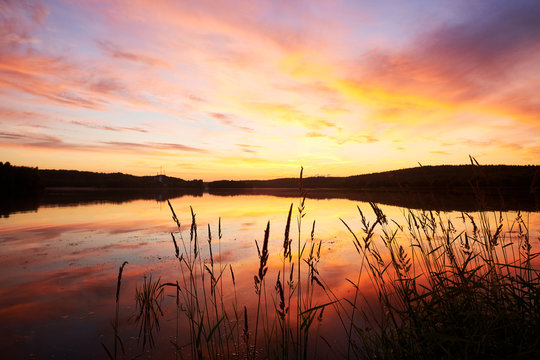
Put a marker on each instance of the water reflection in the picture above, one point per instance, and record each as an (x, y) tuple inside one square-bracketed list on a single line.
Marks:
[(59, 264), (78, 196), (440, 201)]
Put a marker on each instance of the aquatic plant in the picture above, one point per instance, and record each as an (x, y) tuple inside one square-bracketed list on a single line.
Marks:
[(435, 292)]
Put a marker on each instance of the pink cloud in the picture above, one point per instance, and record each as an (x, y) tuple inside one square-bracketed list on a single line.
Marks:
[(117, 52), (49, 142), (485, 60)]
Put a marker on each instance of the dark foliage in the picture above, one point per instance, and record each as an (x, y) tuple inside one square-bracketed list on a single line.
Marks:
[(443, 177), (19, 181), (73, 178)]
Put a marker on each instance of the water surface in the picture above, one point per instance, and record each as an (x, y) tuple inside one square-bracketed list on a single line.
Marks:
[(59, 262)]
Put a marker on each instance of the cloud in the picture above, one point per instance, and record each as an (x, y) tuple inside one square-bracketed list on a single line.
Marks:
[(490, 40), (10, 136), (18, 19), (439, 152), (485, 60), (37, 141), (109, 128), (222, 118), (151, 146), (60, 78), (333, 109), (340, 139), (249, 148), (284, 112), (15, 119), (227, 120), (27, 118), (44, 141), (117, 52), (48, 77), (327, 124), (315, 134), (299, 77), (60, 81)]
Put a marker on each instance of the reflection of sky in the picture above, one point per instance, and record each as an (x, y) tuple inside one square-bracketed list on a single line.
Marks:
[(59, 264), (202, 87)]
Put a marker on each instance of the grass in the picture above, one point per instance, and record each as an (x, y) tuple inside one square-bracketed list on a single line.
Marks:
[(438, 292), (470, 294), (117, 339)]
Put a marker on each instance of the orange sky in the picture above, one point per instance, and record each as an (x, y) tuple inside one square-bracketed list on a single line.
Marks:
[(255, 89)]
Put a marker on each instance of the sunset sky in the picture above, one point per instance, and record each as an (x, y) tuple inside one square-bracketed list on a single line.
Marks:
[(255, 89)]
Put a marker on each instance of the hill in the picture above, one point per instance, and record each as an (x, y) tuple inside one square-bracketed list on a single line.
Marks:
[(74, 178), (19, 180), (26, 181), (442, 178), (462, 178)]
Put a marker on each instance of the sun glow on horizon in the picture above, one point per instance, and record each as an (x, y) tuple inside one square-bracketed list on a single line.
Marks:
[(256, 89)]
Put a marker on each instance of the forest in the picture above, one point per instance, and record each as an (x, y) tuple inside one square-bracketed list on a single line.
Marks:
[(447, 178)]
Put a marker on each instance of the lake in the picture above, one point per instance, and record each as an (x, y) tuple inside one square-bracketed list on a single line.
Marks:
[(60, 258)]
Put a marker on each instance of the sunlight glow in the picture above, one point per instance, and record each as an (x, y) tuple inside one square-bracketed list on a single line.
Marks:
[(255, 89)]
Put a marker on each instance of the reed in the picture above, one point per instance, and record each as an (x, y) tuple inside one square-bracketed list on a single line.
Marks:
[(117, 339), (147, 299), (259, 280), (439, 292), (450, 294)]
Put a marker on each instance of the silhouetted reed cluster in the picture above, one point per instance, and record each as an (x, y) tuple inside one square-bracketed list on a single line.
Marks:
[(435, 292)]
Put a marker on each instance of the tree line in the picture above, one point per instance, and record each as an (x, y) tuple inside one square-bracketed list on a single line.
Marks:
[(23, 180), (432, 178)]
